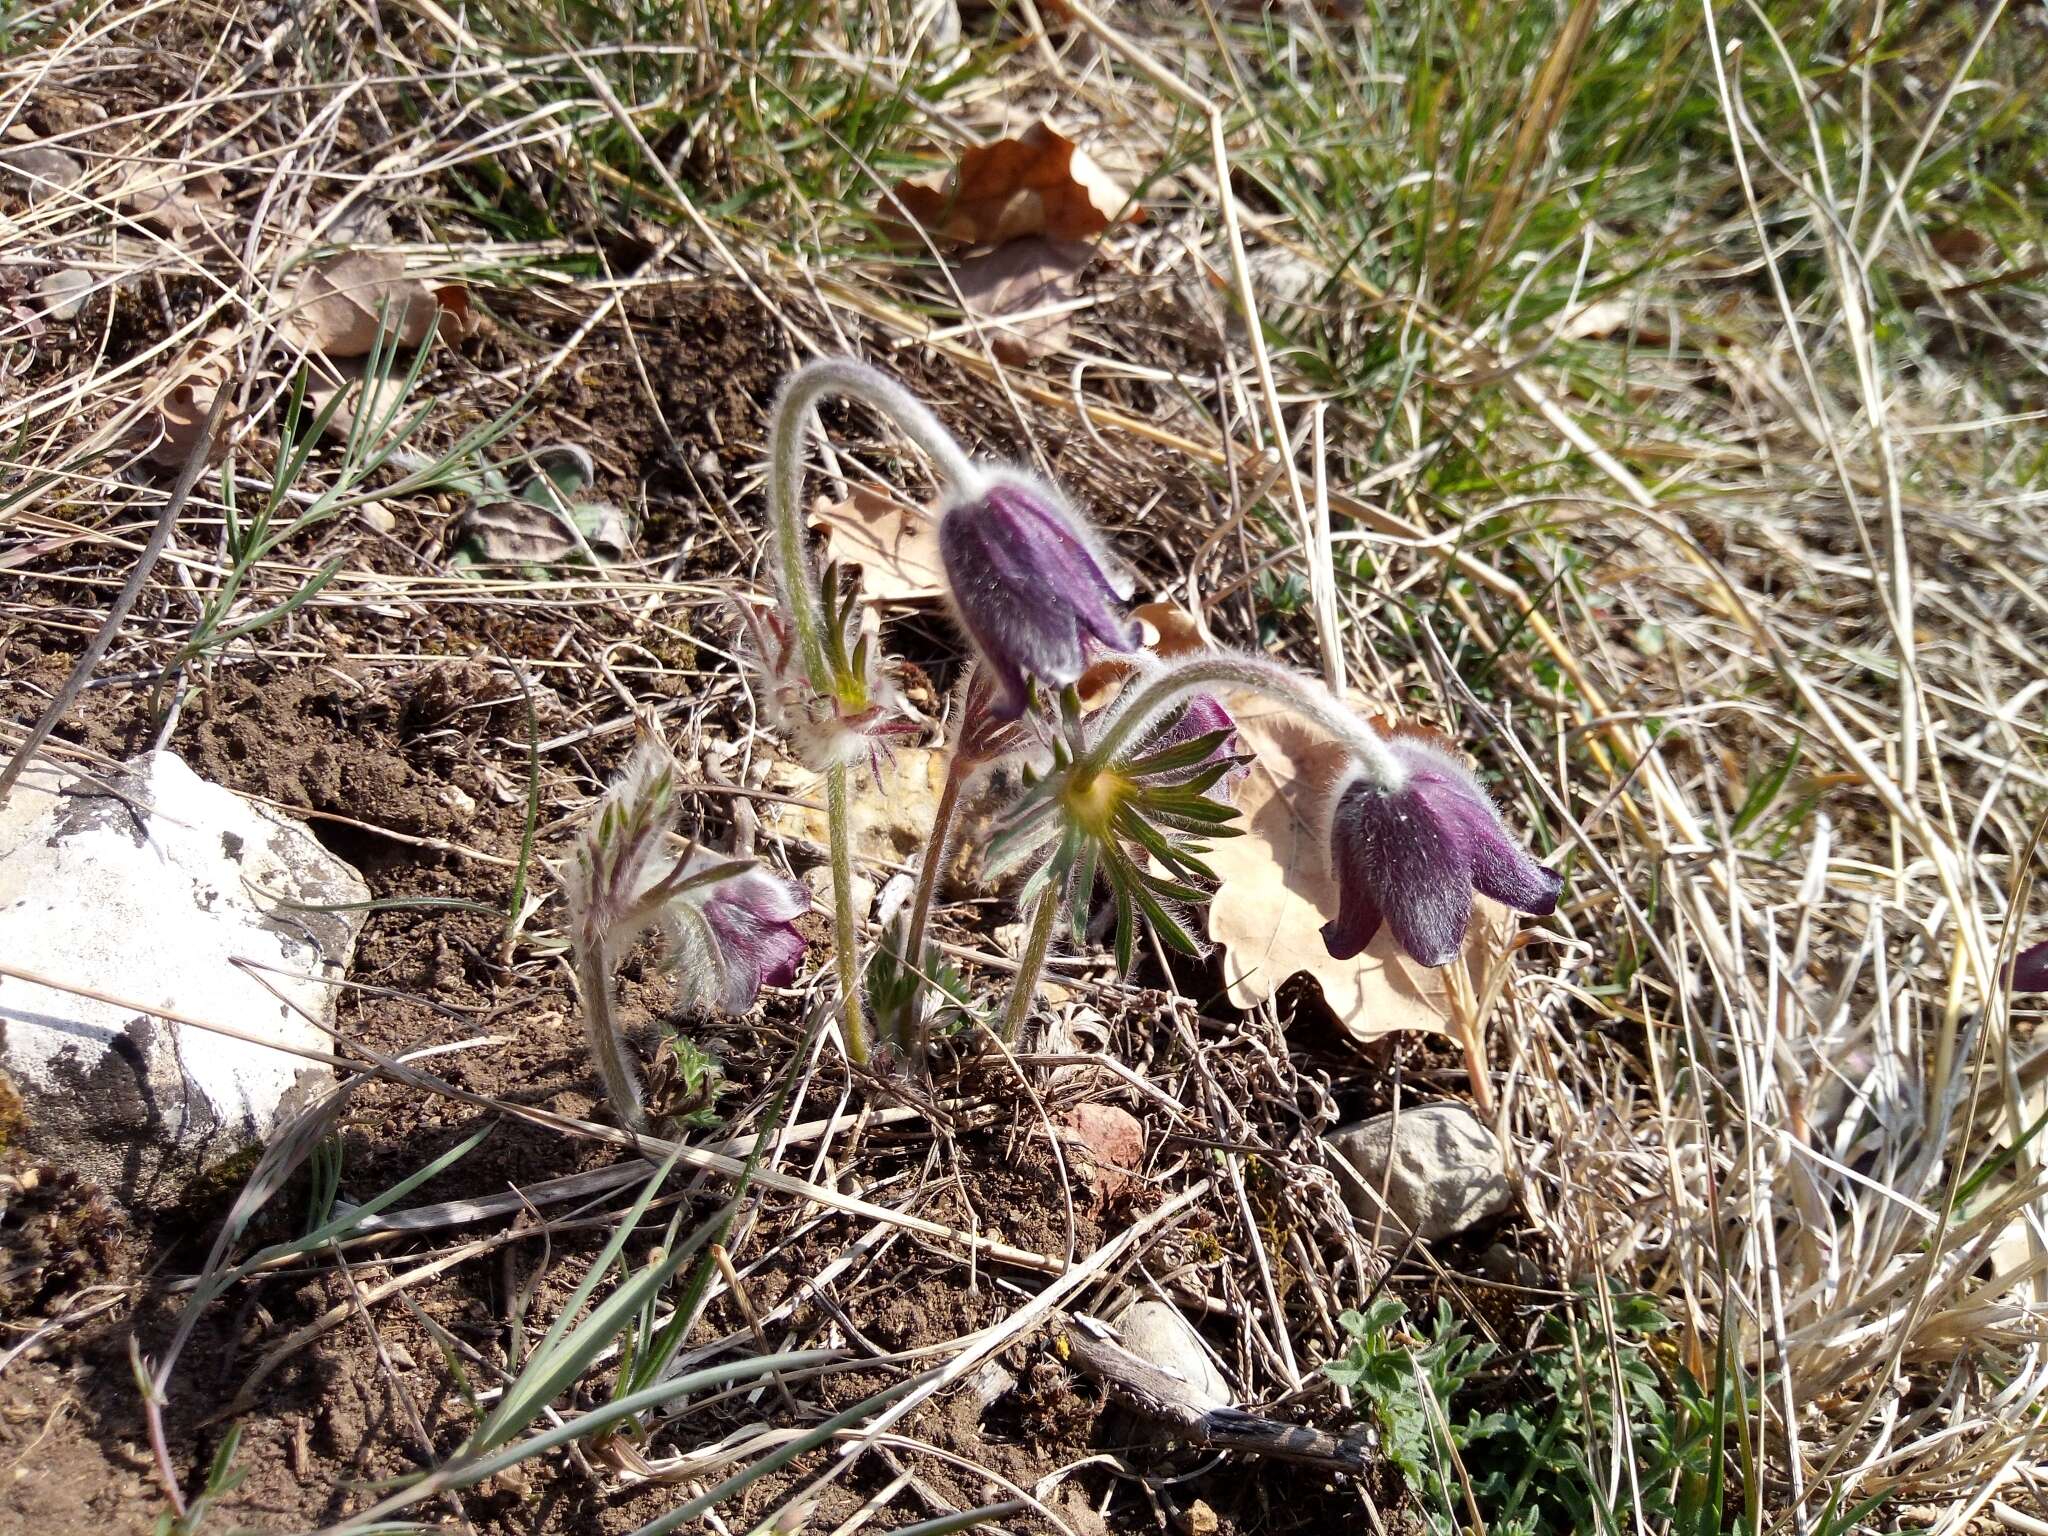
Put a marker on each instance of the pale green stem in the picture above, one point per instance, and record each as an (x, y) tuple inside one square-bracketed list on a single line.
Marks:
[(1036, 947), (845, 927), (810, 384), (1155, 695), (937, 850), (799, 583), (607, 1046)]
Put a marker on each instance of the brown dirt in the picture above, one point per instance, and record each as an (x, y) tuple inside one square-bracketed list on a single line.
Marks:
[(416, 772)]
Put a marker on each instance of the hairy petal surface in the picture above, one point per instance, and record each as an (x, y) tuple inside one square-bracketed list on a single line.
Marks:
[(1412, 856), (2030, 969), (1030, 587)]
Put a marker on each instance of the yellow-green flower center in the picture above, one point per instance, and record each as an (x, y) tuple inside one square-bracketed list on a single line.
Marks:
[(1093, 800)]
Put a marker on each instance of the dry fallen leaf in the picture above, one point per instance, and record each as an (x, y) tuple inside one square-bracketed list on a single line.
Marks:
[(197, 378), (1276, 891), (1020, 290), (895, 546), (1039, 184), (336, 306), (527, 533), (891, 809), (1609, 319), (42, 169), (173, 200), (348, 381)]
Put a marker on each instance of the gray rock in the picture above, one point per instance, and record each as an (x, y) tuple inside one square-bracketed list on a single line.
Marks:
[(174, 893), (1439, 1166), (1154, 1331), (65, 291)]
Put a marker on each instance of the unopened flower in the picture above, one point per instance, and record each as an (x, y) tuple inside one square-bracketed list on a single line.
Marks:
[(2030, 969), (728, 923), (1031, 586), (1411, 853), (1203, 716), (746, 939)]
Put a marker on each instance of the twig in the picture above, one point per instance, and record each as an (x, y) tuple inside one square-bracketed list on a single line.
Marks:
[(1163, 1397)]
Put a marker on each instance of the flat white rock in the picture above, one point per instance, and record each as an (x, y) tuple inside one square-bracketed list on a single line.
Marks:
[(1438, 1164), (178, 894)]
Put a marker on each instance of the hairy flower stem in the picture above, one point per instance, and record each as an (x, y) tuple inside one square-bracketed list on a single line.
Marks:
[(1043, 919), (845, 926), (938, 850), (799, 582), (810, 384), (1304, 696), (607, 1045)]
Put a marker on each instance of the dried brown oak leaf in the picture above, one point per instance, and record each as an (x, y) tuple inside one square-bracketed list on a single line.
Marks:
[(173, 199), (1276, 890), (1023, 293), (895, 546), (337, 306), (1038, 184)]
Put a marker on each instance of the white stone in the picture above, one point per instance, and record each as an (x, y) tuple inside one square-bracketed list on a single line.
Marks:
[(1156, 1332), (1439, 1166), (154, 895)]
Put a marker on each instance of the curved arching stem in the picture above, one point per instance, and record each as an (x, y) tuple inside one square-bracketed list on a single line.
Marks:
[(1142, 706), (798, 580)]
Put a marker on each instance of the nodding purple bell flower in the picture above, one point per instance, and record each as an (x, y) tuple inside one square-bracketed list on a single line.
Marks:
[(2030, 969), (1412, 853), (1031, 586), (747, 939)]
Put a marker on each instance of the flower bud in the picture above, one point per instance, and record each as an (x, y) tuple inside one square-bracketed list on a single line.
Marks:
[(1412, 854), (750, 920), (1202, 715), (1030, 585)]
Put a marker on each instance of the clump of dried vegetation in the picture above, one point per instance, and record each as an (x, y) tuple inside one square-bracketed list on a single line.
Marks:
[(1647, 399)]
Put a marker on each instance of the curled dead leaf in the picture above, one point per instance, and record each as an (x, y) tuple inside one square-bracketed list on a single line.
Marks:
[(1038, 184), (173, 199), (195, 380), (1276, 890), (527, 533), (895, 546), (338, 306)]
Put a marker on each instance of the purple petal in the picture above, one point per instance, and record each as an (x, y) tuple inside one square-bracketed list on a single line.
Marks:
[(1394, 856), (2030, 969), (1028, 589), (1358, 914), (1500, 868), (751, 917)]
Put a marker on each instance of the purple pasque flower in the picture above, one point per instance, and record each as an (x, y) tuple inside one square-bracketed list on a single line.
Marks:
[(2029, 971), (732, 931), (1030, 584), (1411, 853)]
